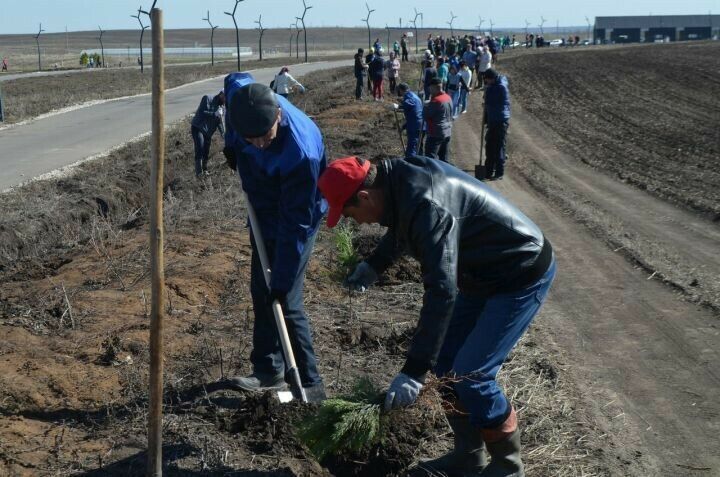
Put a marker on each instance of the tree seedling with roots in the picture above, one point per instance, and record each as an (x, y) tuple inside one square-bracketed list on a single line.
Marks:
[(344, 425), (347, 254)]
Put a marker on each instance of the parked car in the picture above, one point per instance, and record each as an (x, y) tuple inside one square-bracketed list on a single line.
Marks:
[(556, 42)]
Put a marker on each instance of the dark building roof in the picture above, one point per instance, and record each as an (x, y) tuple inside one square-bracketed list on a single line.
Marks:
[(658, 21)]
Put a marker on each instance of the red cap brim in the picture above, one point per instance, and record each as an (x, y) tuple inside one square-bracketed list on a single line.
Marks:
[(334, 216)]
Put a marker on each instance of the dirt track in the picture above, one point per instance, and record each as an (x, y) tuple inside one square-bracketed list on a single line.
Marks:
[(645, 361)]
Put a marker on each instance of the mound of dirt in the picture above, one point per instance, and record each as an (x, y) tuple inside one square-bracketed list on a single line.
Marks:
[(404, 270)]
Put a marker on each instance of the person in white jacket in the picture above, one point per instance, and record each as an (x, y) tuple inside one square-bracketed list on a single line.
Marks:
[(284, 82), (484, 64)]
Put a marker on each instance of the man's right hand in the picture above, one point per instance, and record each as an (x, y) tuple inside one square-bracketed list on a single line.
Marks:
[(361, 278)]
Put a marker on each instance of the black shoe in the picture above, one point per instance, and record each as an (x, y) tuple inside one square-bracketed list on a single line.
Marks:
[(316, 393), (498, 178), (258, 382)]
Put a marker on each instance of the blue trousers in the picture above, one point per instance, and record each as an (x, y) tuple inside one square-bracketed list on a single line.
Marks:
[(413, 142), (202, 149), (266, 356), (481, 334)]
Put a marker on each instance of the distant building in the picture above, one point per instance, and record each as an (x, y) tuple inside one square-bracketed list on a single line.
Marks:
[(652, 28)]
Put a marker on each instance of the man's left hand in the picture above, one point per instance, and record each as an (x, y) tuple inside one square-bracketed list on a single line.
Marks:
[(403, 392)]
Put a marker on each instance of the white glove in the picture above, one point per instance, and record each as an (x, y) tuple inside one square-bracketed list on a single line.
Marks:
[(403, 392), (361, 278), (220, 111)]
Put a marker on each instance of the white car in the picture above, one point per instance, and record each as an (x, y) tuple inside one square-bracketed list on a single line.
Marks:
[(556, 42)]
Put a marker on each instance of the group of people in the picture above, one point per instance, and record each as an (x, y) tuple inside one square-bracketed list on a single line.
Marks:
[(375, 68), (487, 267)]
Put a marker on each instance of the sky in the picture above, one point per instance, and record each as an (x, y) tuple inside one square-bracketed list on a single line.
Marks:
[(24, 16)]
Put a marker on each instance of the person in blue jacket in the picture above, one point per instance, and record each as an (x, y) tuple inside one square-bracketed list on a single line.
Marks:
[(208, 119), (412, 107), (279, 154), (497, 117)]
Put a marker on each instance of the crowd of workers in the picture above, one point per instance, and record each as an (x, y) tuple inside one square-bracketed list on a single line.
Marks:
[(487, 268), (450, 71)]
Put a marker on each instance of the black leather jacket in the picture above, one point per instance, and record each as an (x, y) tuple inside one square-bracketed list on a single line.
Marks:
[(465, 235)]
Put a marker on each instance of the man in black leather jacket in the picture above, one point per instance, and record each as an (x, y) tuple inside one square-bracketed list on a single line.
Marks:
[(486, 269)]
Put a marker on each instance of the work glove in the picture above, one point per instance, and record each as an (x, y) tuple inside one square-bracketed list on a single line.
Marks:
[(361, 278), (278, 295), (302, 89), (219, 113), (230, 159), (403, 392), (394, 106)]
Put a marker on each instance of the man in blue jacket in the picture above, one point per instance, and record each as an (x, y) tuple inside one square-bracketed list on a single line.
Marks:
[(279, 153), (412, 107), (497, 116), (208, 119)]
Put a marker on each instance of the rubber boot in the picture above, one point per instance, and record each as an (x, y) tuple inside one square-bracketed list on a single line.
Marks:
[(503, 445), (467, 458)]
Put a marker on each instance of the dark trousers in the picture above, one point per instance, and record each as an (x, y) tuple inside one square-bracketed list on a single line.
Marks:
[(413, 143), (438, 147), (495, 140), (266, 356), (360, 81), (393, 83), (404, 55), (202, 149)]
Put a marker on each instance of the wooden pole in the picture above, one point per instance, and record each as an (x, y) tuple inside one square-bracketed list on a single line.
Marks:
[(157, 271)]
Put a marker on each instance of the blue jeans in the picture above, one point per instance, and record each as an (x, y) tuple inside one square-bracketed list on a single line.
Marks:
[(463, 100), (481, 334), (202, 149), (413, 142), (455, 96), (267, 356)]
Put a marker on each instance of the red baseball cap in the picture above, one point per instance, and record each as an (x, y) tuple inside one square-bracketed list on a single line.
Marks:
[(340, 180)]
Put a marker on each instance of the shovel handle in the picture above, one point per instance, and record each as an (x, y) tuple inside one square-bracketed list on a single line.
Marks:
[(276, 307)]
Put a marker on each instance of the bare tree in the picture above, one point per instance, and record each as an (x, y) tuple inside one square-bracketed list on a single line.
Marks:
[(387, 28), (291, 35), (542, 22), (480, 22), (142, 32), (589, 25), (492, 24), (102, 48), (297, 39), (367, 22), (452, 19), (237, 33), (414, 22), (212, 38), (262, 32), (37, 42), (527, 24), (302, 20)]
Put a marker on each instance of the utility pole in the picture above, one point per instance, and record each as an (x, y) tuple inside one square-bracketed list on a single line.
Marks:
[(367, 22), (142, 32), (212, 38), (262, 32), (302, 19), (297, 39), (414, 22), (452, 19), (237, 33), (37, 42), (102, 48)]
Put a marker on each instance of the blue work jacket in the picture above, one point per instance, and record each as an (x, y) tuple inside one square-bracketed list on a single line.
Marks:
[(497, 101), (281, 182), (412, 106)]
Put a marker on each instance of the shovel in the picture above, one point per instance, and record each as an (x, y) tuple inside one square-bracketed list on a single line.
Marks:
[(397, 124), (296, 384)]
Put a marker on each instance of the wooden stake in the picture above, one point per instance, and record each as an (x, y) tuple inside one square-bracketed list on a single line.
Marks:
[(154, 465)]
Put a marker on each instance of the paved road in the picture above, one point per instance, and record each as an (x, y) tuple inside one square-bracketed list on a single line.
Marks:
[(48, 144)]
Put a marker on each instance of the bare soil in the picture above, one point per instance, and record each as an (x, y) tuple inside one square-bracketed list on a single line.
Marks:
[(74, 326)]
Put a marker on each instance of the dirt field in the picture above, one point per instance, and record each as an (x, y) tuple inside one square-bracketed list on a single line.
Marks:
[(614, 370), (74, 321)]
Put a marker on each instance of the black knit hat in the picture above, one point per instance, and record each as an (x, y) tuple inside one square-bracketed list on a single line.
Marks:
[(490, 73), (253, 110)]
